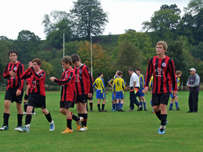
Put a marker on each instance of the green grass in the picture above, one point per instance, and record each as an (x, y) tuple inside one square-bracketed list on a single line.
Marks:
[(110, 131)]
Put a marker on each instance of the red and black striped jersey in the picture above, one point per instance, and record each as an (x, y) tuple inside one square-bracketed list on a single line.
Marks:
[(83, 80), (163, 71), (67, 81), (28, 82), (18, 68), (37, 80)]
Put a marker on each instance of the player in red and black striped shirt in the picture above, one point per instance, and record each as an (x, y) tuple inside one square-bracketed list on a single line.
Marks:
[(37, 93), (84, 89), (163, 70), (14, 92), (68, 92)]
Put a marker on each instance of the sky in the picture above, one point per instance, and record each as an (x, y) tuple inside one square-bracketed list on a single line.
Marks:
[(18, 15)]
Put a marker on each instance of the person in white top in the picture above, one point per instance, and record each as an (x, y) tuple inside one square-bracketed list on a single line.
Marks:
[(133, 84)]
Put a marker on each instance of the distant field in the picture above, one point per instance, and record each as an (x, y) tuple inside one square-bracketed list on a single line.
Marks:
[(108, 131)]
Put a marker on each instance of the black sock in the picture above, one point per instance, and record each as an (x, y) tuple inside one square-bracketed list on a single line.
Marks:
[(20, 117), (48, 116), (158, 114), (28, 119), (91, 106), (103, 105), (163, 119), (80, 115), (25, 106), (33, 110), (69, 123), (84, 123), (98, 105), (74, 117), (6, 117)]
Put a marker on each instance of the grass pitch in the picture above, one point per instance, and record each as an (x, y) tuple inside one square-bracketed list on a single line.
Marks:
[(107, 131)]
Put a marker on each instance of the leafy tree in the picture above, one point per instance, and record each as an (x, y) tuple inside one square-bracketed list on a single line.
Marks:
[(197, 51), (194, 6), (55, 25), (88, 18), (48, 68), (27, 45)]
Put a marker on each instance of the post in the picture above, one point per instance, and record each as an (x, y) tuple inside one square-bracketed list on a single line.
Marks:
[(91, 54), (63, 44)]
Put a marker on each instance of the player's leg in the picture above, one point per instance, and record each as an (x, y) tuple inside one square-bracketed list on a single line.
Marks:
[(91, 104), (144, 103), (19, 115), (6, 115), (69, 121), (63, 111), (121, 105), (104, 102), (141, 101), (28, 119), (84, 115), (98, 104), (49, 118), (132, 96), (117, 103), (80, 115), (171, 103), (113, 102), (176, 102)]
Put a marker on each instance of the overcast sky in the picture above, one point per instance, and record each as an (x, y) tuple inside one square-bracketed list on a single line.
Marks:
[(17, 15)]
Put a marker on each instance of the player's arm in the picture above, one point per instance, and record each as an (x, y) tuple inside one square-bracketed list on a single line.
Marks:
[(37, 77), (65, 81), (89, 79), (21, 71), (114, 86), (94, 84), (173, 76), (123, 85), (103, 86), (6, 73), (26, 74), (110, 82)]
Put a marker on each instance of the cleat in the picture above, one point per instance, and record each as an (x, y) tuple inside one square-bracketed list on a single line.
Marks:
[(24, 129), (112, 110), (24, 113), (171, 109), (52, 126), (145, 110), (91, 110), (162, 130), (4, 128), (18, 128), (33, 113), (79, 123), (121, 110), (139, 108), (83, 129), (99, 110), (129, 110), (177, 109), (67, 131)]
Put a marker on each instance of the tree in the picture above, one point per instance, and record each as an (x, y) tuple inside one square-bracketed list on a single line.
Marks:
[(55, 24), (27, 45), (48, 68), (88, 18), (101, 61), (194, 7), (197, 51)]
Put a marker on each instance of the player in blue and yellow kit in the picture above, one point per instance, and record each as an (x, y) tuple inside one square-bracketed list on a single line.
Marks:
[(178, 75), (118, 90), (140, 94), (101, 92), (110, 82)]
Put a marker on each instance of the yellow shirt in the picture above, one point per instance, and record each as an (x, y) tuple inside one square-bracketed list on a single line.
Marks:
[(118, 84), (99, 84)]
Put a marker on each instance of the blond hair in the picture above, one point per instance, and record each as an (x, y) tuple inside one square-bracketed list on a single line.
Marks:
[(178, 72), (164, 44)]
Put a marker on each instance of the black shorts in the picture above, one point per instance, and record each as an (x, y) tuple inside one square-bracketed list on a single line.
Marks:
[(26, 97), (37, 100), (11, 95), (66, 104), (81, 98), (158, 99)]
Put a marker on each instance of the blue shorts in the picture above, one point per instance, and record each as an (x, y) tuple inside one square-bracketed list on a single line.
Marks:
[(100, 95), (172, 95), (140, 94), (113, 97), (119, 95)]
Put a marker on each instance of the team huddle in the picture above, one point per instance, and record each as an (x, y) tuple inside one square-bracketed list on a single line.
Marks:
[(77, 87)]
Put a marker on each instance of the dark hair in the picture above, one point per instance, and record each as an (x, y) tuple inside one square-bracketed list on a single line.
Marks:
[(67, 59), (100, 73), (12, 51), (130, 69), (119, 73), (75, 58), (138, 69), (37, 60)]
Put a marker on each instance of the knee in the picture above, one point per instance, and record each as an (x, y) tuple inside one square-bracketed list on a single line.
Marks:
[(156, 108), (61, 110), (29, 109), (7, 104), (45, 111), (19, 106)]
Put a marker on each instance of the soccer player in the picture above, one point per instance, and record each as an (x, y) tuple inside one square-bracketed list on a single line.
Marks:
[(68, 93), (110, 82), (101, 92), (84, 89), (14, 92), (27, 92), (118, 89), (178, 75), (37, 94), (134, 85), (140, 94), (163, 70)]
